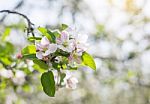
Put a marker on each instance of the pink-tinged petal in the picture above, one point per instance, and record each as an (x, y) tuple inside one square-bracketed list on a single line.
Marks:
[(71, 83), (78, 60), (70, 57), (72, 44), (72, 32), (64, 36), (44, 41), (51, 49), (38, 46), (81, 47), (58, 41), (47, 52), (39, 55)]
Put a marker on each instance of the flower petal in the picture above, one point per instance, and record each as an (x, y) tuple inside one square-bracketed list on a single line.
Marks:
[(64, 36), (39, 55), (72, 83), (58, 41), (38, 46), (44, 41), (51, 49)]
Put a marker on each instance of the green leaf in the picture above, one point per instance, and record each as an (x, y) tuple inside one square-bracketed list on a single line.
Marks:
[(41, 64), (50, 35), (30, 49), (88, 60), (29, 56), (60, 52), (48, 83), (5, 60), (6, 49), (56, 65), (56, 33), (72, 68), (6, 33), (29, 52), (39, 69), (42, 30), (63, 27), (34, 38)]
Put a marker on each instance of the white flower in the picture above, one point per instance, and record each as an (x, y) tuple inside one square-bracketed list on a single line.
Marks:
[(65, 43), (74, 59), (43, 44), (44, 48), (81, 44), (19, 78), (70, 81), (6, 73)]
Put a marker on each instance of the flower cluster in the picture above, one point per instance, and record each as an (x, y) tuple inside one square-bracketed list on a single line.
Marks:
[(58, 51), (71, 44)]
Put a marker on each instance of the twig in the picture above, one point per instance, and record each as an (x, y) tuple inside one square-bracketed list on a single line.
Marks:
[(30, 24), (16, 7), (108, 58)]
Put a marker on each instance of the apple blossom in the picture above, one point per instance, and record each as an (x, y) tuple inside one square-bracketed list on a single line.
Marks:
[(62, 50), (65, 43), (6, 73), (19, 78), (79, 41), (70, 82), (44, 48)]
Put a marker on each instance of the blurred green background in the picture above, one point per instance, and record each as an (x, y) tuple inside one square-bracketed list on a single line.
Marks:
[(119, 38)]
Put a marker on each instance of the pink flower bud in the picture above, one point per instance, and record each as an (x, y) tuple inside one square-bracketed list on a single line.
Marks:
[(19, 55)]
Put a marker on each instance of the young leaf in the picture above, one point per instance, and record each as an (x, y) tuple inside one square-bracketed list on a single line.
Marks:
[(5, 60), (88, 60), (41, 64), (6, 33), (29, 52), (63, 27), (6, 49), (48, 83), (29, 56), (34, 38), (48, 34), (56, 65), (72, 68), (30, 49)]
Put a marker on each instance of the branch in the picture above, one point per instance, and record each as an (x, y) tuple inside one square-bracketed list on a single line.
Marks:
[(16, 7), (108, 58), (30, 24)]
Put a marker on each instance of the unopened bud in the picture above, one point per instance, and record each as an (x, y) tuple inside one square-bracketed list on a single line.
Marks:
[(19, 55)]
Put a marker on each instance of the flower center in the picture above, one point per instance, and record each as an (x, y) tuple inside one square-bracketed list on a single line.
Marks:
[(65, 44)]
